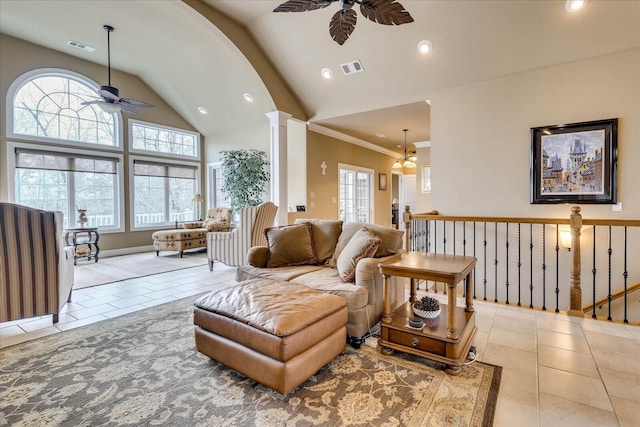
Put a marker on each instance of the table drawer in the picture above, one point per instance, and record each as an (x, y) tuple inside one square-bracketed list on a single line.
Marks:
[(417, 342)]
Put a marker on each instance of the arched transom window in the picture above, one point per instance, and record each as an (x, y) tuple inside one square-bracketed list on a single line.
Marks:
[(51, 106)]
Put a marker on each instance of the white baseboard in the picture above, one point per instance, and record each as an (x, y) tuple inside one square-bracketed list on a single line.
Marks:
[(125, 251)]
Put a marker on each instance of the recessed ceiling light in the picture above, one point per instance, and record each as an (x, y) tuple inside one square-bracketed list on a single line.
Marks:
[(248, 97), (574, 5), (380, 135), (424, 47), (202, 110), (327, 73)]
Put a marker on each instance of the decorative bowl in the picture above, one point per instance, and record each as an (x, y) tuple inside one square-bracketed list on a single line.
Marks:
[(426, 314)]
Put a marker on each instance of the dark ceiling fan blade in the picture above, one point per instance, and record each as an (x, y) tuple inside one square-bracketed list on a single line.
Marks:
[(302, 5), (387, 12), (127, 108), (342, 25), (135, 103)]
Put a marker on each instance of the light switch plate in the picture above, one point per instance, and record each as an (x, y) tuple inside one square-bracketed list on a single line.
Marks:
[(617, 207)]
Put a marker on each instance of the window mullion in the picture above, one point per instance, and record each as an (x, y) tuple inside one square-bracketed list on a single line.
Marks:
[(167, 194)]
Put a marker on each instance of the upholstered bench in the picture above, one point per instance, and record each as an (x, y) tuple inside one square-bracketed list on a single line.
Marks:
[(179, 239), (276, 333)]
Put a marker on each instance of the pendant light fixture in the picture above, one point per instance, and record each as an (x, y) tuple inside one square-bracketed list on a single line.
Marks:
[(405, 161)]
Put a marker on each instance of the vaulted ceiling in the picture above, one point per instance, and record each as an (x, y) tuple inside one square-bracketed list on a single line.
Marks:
[(191, 63)]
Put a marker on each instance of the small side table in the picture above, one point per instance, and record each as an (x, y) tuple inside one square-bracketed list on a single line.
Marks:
[(84, 241), (444, 340)]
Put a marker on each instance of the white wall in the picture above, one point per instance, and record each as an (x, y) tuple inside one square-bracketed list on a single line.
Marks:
[(423, 202), (481, 145)]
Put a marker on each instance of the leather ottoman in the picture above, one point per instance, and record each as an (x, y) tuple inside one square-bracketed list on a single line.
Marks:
[(276, 333)]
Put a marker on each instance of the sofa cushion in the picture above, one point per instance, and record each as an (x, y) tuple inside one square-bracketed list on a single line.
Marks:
[(327, 280), (248, 272), (291, 245), (325, 236), (391, 239), (363, 244)]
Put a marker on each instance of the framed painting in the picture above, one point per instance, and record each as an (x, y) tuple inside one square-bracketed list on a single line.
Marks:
[(426, 179), (575, 163), (382, 181)]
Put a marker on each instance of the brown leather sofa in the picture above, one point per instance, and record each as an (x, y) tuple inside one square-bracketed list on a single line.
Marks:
[(329, 238)]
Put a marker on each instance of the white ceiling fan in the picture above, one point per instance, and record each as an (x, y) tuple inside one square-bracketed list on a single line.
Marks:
[(110, 100)]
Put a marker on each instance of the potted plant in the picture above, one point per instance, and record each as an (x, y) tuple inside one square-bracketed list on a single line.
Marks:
[(245, 177)]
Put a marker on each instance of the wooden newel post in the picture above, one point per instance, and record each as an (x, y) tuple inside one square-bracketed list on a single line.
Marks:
[(406, 218), (575, 296)]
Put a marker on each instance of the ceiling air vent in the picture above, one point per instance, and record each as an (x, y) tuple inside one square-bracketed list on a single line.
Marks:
[(351, 67), (80, 45)]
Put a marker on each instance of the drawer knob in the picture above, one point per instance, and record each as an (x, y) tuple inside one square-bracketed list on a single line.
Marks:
[(415, 342)]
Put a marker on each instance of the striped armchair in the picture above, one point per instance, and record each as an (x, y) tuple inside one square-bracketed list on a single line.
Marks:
[(36, 269), (231, 247)]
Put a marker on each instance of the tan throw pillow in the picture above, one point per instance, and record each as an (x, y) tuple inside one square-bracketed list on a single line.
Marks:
[(192, 225), (325, 236), (290, 245), (363, 244), (391, 239)]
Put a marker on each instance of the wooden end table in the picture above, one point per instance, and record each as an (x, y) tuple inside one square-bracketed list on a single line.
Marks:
[(446, 342)]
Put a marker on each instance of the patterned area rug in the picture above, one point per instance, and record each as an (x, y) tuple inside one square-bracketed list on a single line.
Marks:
[(143, 369), (114, 269)]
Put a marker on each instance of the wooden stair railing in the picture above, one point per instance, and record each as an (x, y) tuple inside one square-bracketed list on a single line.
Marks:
[(576, 224)]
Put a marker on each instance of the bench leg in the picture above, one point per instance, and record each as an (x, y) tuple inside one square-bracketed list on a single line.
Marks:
[(210, 265), (157, 253)]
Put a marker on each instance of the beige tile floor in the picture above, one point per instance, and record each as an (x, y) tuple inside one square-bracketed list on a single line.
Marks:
[(558, 370)]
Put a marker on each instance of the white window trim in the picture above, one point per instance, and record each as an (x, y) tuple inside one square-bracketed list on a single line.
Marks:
[(372, 192), (130, 124), (20, 81), (132, 190), (11, 181), (210, 187)]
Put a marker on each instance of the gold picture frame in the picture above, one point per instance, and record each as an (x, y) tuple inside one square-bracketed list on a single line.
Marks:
[(382, 181)]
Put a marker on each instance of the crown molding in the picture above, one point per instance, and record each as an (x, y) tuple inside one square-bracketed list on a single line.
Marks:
[(350, 139), (422, 144)]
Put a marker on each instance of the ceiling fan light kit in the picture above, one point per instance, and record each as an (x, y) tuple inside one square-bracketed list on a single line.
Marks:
[(110, 101), (343, 22)]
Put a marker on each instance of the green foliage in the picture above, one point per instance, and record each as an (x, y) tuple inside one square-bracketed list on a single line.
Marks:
[(245, 177)]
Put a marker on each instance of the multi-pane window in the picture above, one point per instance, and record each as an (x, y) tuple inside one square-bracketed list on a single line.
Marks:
[(163, 140), (163, 192), (219, 197), (355, 194), (54, 180), (51, 106)]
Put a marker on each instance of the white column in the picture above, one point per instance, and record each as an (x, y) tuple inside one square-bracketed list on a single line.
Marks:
[(278, 121)]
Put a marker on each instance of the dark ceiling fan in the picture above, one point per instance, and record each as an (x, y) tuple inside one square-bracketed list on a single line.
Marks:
[(110, 100), (343, 22)]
